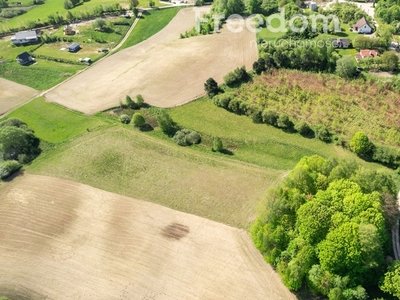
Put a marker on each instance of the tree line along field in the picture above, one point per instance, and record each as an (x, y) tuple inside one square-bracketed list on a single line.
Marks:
[(342, 106)]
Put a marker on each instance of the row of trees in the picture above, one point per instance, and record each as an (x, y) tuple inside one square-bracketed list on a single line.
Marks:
[(364, 148), (18, 145), (327, 227)]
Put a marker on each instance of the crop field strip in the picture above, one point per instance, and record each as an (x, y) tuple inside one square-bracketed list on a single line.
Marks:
[(123, 245)]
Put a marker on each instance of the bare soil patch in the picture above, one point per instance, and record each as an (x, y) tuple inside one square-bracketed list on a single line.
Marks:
[(166, 70), (65, 240), (13, 94)]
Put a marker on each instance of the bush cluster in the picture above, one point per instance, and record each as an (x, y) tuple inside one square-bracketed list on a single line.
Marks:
[(186, 137), (18, 145), (8, 167)]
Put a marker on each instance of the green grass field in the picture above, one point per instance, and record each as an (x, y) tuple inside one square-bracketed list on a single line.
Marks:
[(271, 31), (41, 76), (100, 151), (53, 123), (40, 12), (151, 23)]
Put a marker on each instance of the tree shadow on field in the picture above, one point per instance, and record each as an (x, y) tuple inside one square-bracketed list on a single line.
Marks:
[(14, 175), (226, 152)]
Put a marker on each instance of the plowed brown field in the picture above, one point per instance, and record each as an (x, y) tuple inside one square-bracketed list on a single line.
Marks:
[(65, 240), (13, 94), (166, 70)]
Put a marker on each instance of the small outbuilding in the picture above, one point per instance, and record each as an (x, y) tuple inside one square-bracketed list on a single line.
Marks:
[(68, 30), (74, 47), (24, 59), (313, 6), (341, 43), (25, 38)]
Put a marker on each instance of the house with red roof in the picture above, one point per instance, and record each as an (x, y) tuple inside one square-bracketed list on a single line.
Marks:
[(367, 53)]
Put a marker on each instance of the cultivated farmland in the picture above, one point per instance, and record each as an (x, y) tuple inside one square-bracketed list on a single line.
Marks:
[(65, 240), (13, 94), (166, 70)]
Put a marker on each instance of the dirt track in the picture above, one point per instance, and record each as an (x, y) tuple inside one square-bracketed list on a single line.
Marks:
[(13, 94), (65, 240), (166, 70)]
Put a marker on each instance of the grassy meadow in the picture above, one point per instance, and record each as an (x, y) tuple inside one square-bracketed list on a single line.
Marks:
[(54, 123), (41, 76), (100, 151)]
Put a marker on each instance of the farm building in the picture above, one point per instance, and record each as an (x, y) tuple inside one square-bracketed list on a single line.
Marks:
[(341, 43), (362, 26), (73, 47), (313, 6), (68, 30), (367, 53), (25, 37), (24, 58)]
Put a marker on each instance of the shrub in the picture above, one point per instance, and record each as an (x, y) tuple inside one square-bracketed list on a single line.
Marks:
[(138, 120), (8, 167), (360, 144), (270, 117), (68, 4), (130, 103), (223, 100), (236, 77), (322, 133), (139, 100), (167, 125), (125, 119), (303, 128), (186, 137), (217, 144), (284, 121)]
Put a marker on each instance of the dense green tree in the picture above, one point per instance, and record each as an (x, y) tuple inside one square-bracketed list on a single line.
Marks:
[(18, 144), (390, 60), (284, 121), (270, 116), (211, 87), (3, 4), (313, 221), (391, 282), (167, 125), (303, 128), (360, 144), (138, 120), (346, 66)]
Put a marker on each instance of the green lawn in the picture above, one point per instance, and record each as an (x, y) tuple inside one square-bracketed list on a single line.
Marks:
[(53, 123), (41, 76), (10, 51), (269, 33), (87, 50), (40, 12), (151, 23), (256, 143)]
